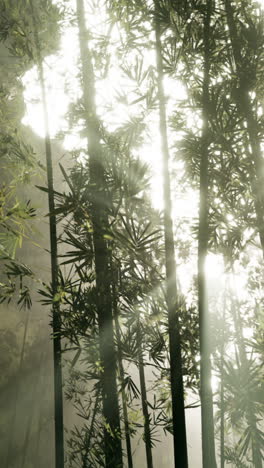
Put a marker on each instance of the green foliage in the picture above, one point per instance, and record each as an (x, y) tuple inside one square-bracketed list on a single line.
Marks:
[(16, 28)]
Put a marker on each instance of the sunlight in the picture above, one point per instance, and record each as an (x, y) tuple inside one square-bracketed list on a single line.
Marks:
[(151, 154), (186, 206), (61, 87), (215, 381), (214, 267), (194, 120), (74, 142), (248, 333), (238, 283)]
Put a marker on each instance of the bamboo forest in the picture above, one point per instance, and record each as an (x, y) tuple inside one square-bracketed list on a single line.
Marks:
[(131, 233)]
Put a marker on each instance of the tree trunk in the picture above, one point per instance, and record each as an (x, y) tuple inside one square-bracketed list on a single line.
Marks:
[(177, 391), (208, 442), (112, 436), (56, 320)]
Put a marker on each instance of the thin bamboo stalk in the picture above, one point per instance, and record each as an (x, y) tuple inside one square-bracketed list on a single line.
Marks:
[(121, 370), (144, 401), (177, 390), (56, 319), (207, 416), (222, 385)]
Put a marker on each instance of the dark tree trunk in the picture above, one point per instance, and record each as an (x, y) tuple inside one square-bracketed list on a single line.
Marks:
[(177, 391), (112, 435)]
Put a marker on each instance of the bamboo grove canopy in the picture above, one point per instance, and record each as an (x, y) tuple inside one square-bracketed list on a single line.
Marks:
[(131, 233)]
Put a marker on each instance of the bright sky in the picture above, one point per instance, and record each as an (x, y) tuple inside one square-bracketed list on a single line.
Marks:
[(63, 87)]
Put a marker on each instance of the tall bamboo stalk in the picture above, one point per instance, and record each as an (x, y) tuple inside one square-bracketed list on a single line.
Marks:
[(222, 385), (121, 368), (56, 319), (112, 435), (208, 441), (177, 390), (144, 401)]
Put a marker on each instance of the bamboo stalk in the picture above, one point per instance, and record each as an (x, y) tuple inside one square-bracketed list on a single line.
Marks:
[(222, 386), (112, 434), (56, 319), (177, 390), (121, 371), (207, 416), (144, 401)]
